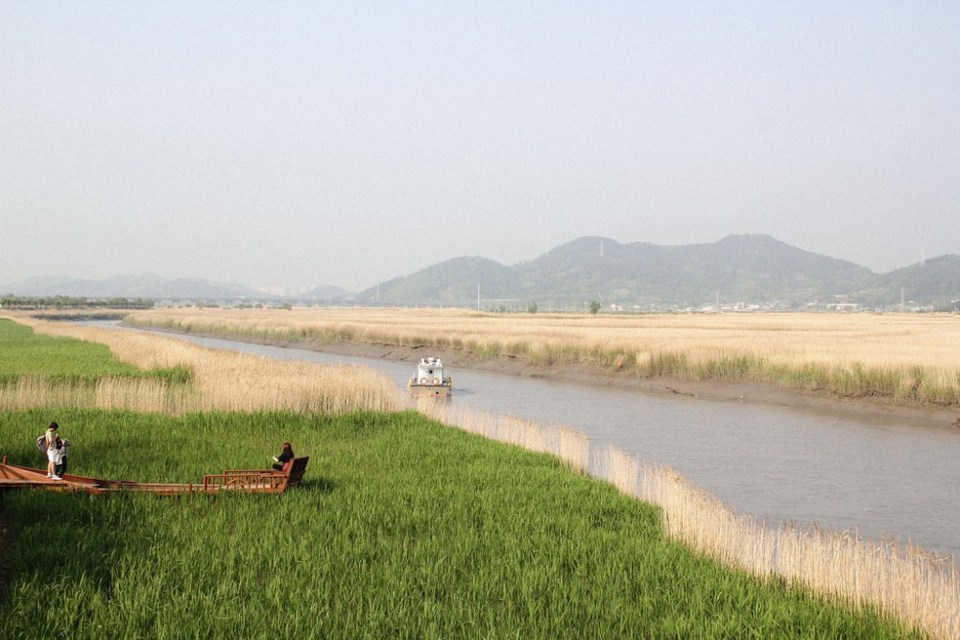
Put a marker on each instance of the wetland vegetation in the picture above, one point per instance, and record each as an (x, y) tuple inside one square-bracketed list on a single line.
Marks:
[(905, 359), (403, 527)]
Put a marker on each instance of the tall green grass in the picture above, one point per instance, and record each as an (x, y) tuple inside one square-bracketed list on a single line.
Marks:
[(402, 528), (66, 361)]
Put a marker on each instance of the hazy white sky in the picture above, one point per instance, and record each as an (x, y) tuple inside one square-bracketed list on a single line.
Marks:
[(307, 143)]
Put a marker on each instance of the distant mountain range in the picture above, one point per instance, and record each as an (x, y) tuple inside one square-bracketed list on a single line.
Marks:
[(739, 269)]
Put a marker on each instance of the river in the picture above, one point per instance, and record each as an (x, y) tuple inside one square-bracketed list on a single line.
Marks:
[(883, 478)]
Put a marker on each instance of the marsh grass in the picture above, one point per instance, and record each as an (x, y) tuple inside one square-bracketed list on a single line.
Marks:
[(103, 368), (856, 355), (117, 444), (902, 580), (401, 528), (30, 355)]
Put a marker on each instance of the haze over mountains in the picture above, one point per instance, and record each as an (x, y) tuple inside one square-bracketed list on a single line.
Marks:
[(745, 270)]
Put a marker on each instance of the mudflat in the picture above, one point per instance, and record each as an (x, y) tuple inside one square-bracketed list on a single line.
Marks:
[(929, 415)]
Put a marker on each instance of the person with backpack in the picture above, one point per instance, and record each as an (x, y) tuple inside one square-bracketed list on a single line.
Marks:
[(54, 445)]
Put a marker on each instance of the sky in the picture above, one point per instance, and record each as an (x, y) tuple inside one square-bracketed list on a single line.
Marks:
[(295, 144)]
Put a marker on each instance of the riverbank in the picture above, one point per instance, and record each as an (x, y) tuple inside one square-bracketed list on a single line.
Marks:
[(863, 408)]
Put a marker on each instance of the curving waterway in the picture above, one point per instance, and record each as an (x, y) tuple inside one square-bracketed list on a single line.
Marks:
[(883, 478)]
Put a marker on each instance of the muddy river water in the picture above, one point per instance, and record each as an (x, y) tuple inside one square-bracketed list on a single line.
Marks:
[(884, 478)]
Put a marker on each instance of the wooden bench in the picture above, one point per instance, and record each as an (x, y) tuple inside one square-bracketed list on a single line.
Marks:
[(258, 480)]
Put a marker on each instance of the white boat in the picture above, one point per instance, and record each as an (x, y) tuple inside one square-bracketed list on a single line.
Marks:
[(430, 379)]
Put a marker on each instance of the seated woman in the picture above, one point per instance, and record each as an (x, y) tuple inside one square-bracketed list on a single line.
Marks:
[(285, 459)]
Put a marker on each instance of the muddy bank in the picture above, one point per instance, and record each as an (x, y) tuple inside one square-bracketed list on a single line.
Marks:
[(732, 391)]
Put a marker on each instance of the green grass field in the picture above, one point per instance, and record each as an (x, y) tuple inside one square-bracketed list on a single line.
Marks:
[(402, 528), (65, 360)]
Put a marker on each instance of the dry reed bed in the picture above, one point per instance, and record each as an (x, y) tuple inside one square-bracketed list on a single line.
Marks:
[(221, 381), (903, 581), (909, 358)]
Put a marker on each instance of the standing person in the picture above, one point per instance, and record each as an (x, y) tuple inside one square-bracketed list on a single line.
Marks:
[(285, 456), (61, 467), (54, 449)]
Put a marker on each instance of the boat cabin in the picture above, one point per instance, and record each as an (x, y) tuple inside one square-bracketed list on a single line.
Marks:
[(430, 371)]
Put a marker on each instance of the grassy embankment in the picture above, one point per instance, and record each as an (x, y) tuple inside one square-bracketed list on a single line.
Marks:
[(909, 359), (406, 528)]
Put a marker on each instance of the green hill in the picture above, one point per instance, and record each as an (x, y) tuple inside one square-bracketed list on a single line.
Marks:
[(935, 281), (739, 269)]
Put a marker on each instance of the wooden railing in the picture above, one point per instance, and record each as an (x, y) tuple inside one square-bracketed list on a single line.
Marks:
[(259, 480), (251, 480)]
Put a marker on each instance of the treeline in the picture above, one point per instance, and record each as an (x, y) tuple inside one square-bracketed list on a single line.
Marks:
[(11, 301)]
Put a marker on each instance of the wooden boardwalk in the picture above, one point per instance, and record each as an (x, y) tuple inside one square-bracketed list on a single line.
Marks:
[(243, 480)]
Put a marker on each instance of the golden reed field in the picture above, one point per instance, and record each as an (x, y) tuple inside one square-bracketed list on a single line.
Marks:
[(906, 358), (903, 581), (222, 381)]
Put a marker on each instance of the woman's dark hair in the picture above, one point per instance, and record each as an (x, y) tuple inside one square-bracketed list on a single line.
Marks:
[(287, 447), (54, 425)]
